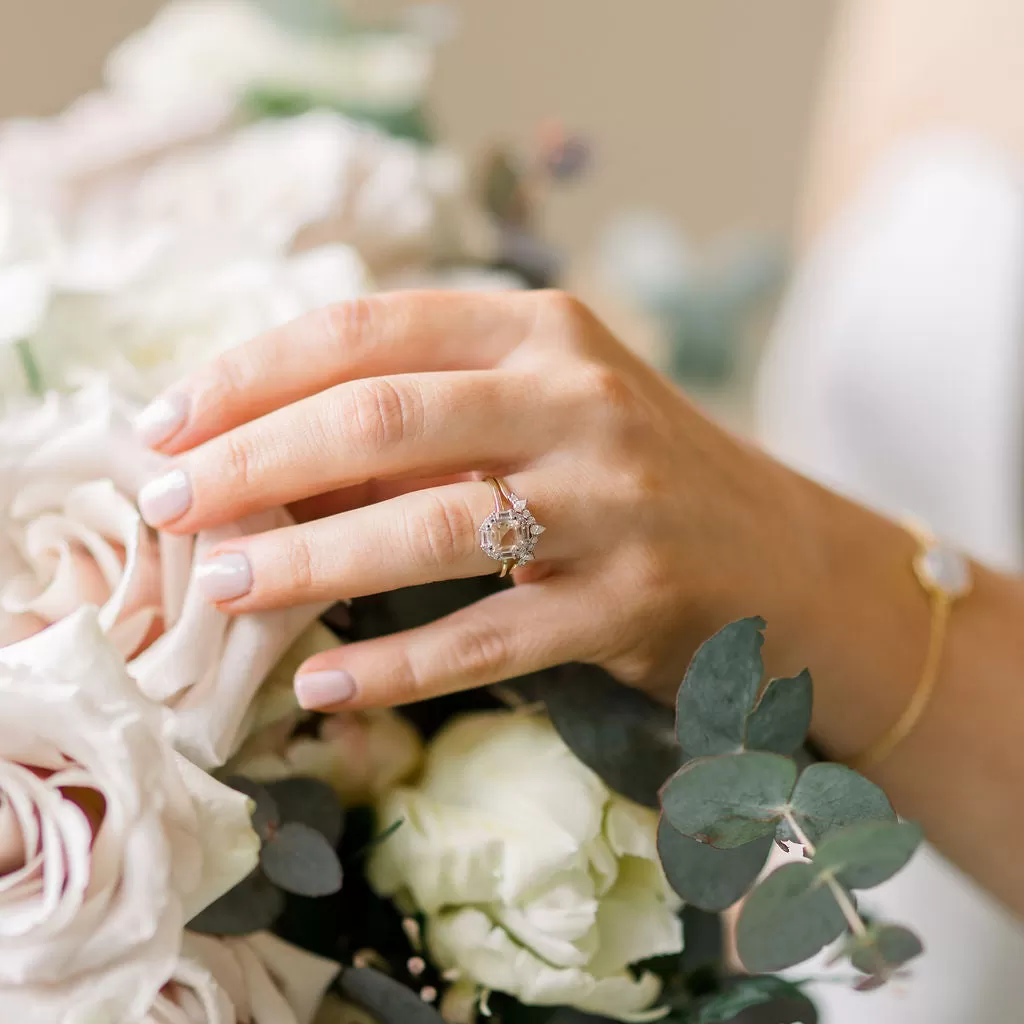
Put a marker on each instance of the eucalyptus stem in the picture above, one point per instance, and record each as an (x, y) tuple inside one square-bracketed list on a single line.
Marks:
[(841, 896), (29, 366)]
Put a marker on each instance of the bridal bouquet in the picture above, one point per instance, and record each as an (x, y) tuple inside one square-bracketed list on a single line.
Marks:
[(179, 842)]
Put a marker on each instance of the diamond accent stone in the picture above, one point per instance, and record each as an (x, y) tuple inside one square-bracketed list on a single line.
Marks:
[(510, 535)]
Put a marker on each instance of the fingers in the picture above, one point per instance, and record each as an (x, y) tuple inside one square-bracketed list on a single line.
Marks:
[(403, 332), (415, 424), (415, 538), (525, 629)]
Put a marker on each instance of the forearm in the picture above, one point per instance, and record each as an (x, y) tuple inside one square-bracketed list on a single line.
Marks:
[(842, 598)]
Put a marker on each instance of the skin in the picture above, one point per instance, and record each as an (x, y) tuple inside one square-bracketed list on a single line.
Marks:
[(370, 418)]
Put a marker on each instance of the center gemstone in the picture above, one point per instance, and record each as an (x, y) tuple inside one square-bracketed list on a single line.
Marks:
[(505, 535)]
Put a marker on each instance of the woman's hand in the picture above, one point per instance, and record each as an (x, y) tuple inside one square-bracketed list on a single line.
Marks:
[(371, 418)]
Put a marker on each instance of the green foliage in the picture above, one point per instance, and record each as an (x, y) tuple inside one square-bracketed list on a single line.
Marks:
[(731, 799), (251, 906), (384, 998), (299, 859), (831, 796), (30, 368), (760, 990), (788, 918), (743, 790), (706, 877), (310, 802)]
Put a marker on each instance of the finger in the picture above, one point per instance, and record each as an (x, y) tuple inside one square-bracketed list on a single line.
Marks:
[(521, 630), (387, 426), (415, 538), (402, 332)]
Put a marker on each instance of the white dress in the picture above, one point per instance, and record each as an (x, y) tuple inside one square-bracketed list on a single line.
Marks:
[(895, 375)]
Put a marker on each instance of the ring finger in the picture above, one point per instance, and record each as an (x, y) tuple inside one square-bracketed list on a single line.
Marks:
[(418, 537)]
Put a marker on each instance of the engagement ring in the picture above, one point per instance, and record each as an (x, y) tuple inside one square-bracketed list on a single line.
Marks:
[(509, 534)]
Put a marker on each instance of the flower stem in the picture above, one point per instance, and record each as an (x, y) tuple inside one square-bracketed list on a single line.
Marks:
[(841, 896), (29, 366)]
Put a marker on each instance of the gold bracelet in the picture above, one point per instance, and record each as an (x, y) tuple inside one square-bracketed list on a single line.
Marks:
[(945, 575)]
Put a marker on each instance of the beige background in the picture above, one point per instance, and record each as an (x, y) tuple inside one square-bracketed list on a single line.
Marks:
[(696, 107)]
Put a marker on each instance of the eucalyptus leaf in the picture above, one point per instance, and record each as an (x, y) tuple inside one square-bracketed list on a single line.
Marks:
[(831, 796), (884, 949), (788, 918), (622, 734), (782, 717), (265, 815), (867, 854), (310, 802), (719, 689), (729, 800), (382, 997), (706, 877), (251, 906), (757, 991), (300, 860)]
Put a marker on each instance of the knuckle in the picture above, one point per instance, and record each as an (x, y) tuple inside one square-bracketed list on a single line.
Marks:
[(351, 324), (240, 461), (300, 563), (480, 651), (441, 535), (562, 308), (383, 415), (605, 387)]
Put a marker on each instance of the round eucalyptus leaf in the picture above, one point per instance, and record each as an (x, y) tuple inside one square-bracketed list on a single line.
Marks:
[(623, 735), (867, 854), (782, 717), (310, 802), (706, 877), (719, 690), (251, 906), (788, 918), (884, 949), (265, 815), (731, 799), (389, 1001), (300, 860), (781, 1001), (831, 796)]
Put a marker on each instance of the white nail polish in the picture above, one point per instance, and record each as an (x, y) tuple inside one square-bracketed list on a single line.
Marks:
[(162, 418)]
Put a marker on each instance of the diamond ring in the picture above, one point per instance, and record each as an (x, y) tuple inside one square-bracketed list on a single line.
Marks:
[(509, 534)]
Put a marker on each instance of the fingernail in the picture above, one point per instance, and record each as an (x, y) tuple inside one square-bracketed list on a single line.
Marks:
[(224, 577), (162, 418), (165, 498), (322, 689)]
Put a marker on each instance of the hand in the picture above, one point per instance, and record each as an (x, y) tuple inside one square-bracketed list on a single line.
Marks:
[(370, 419)]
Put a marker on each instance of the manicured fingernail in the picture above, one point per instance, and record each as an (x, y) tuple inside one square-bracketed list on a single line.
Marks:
[(162, 418), (165, 498), (224, 577), (322, 689)]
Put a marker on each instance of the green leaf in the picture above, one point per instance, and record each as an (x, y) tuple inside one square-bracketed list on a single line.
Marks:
[(884, 949), (867, 854), (761, 990), (30, 368), (788, 918), (729, 800), (831, 796), (389, 1001), (300, 860), (310, 802), (620, 733), (782, 717), (706, 877), (265, 816), (251, 906), (719, 690)]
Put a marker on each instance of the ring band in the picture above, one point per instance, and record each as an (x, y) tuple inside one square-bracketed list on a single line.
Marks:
[(509, 534)]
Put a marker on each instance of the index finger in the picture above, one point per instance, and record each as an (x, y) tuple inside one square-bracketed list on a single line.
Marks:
[(398, 332)]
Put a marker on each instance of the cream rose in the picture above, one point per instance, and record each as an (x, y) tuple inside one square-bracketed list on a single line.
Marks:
[(534, 878), (71, 535), (258, 979), (109, 840)]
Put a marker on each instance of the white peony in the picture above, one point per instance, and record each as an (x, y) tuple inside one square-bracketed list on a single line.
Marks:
[(534, 878), (70, 534), (109, 840), (256, 979), (223, 50)]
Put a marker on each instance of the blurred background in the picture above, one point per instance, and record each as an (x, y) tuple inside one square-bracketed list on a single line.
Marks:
[(809, 213)]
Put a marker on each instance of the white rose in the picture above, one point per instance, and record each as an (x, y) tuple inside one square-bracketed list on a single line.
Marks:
[(257, 979), (109, 840), (206, 50), (70, 534), (534, 878)]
